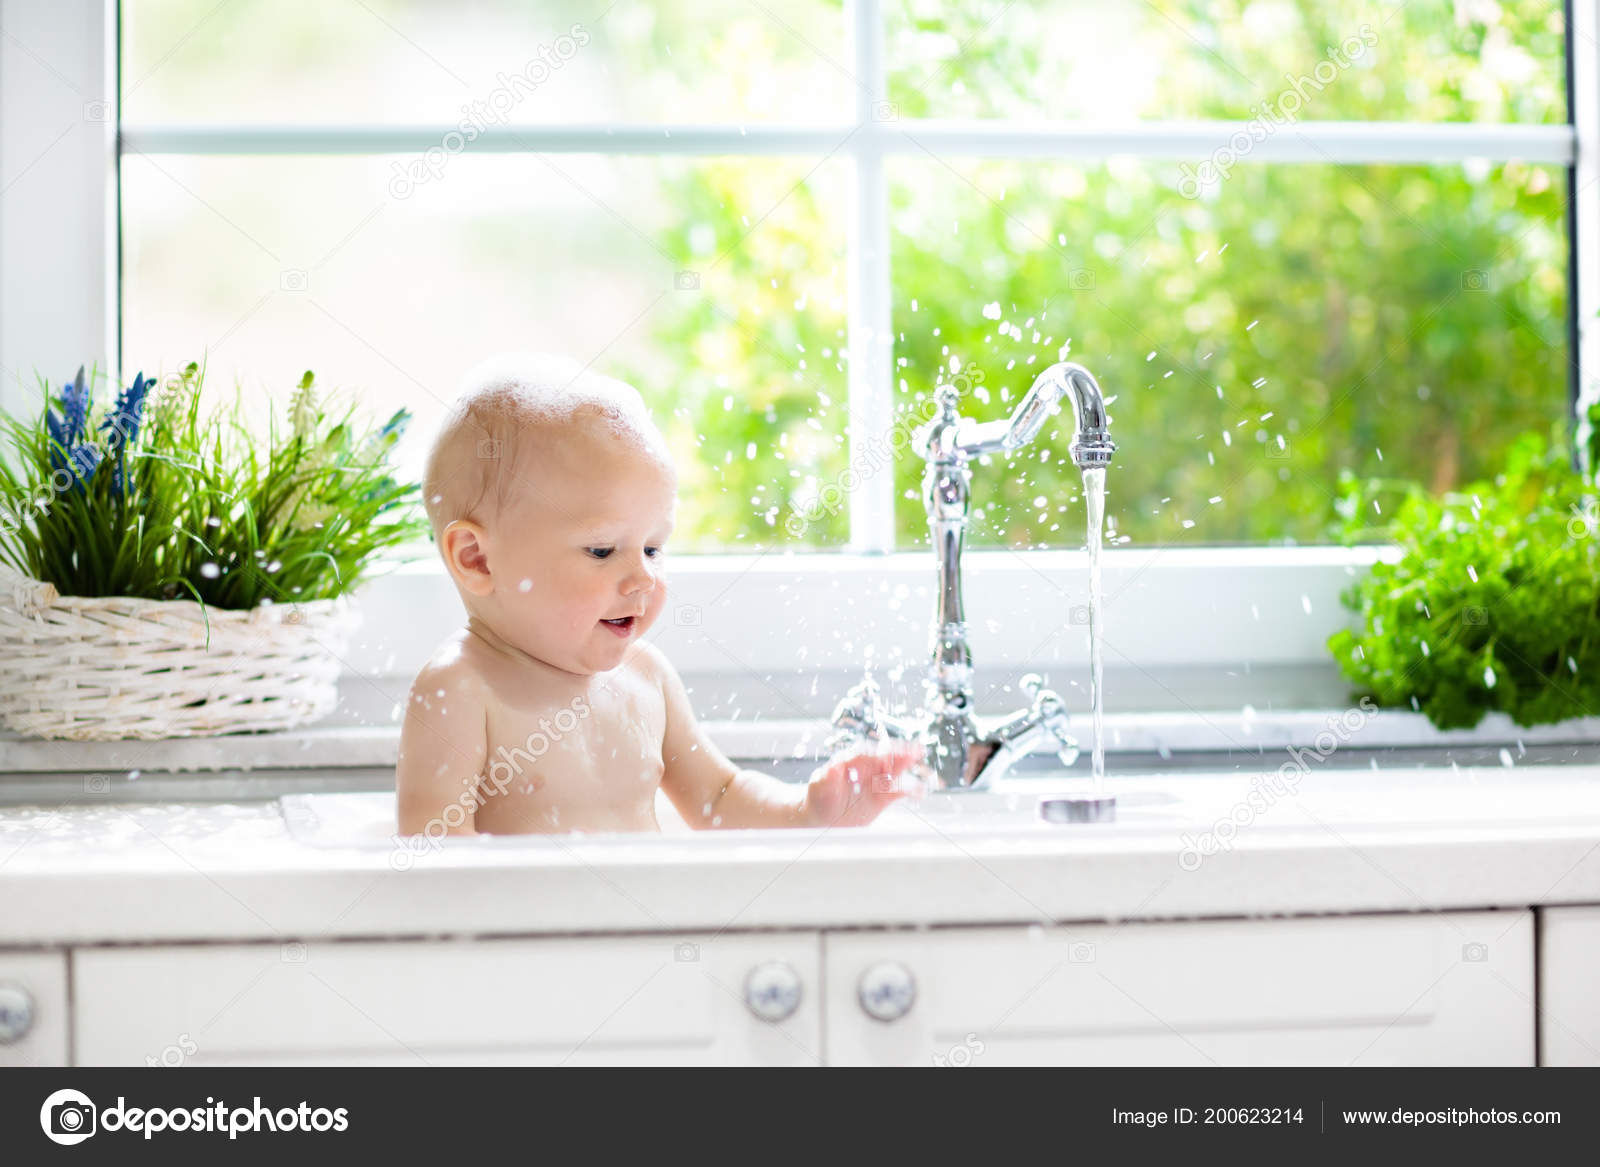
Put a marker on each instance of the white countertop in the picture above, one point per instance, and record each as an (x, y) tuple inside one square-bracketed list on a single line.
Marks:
[(1347, 841), (1157, 732)]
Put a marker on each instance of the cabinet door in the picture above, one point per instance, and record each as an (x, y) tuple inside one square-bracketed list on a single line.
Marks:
[(1569, 986), (33, 1008), (1440, 988), (637, 1000)]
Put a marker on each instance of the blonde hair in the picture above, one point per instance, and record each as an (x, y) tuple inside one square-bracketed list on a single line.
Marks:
[(500, 404)]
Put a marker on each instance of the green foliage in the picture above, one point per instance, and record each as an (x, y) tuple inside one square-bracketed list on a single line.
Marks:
[(206, 509), (1494, 601)]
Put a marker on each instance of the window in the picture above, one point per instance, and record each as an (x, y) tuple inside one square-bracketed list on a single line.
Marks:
[(1288, 236)]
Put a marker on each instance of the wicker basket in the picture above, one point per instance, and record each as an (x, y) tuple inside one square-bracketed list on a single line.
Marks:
[(112, 668)]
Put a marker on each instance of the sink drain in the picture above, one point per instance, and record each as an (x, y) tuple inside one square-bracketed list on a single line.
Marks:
[(1079, 810)]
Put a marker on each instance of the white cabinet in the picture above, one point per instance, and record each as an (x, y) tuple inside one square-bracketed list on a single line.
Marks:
[(1569, 986), (33, 1008), (1429, 989), (634, 1000), (1450, 988)]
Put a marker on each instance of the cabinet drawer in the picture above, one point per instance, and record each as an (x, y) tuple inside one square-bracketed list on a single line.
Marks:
[(635, 1000), (33, 1001), (1569, 986), (1442, 988)]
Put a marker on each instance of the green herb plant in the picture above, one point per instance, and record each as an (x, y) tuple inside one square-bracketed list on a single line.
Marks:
[(164, 495), (1493, 602)]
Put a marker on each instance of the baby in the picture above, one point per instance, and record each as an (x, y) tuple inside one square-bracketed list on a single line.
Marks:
[(552, 496)]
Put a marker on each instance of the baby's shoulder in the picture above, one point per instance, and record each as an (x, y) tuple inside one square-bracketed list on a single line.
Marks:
[(455, 666), (649, 663)]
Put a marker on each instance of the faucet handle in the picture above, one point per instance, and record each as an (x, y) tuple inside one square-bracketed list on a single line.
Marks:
[(861, 715), (1048, 710), (1038, 696)]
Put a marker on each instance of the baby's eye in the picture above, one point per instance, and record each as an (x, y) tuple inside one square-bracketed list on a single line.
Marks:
[(653, 551), (599, 552)]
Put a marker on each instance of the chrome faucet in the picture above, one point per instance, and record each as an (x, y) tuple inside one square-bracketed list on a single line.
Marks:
[(961, 753)]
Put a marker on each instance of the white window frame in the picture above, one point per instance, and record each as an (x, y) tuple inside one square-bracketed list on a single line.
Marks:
[(1225, 607)]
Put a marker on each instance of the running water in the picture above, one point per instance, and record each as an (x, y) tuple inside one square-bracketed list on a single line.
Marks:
[(1094, 494)]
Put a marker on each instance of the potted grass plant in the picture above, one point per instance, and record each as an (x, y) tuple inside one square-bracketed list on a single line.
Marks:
[(169, 569)]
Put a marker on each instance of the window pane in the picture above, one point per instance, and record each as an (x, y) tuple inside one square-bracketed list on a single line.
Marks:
[(487, 62), (1403, 321), (1403, 60), (715, 286)]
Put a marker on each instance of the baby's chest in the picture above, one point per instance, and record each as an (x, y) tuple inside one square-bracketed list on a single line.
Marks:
[(602, 746)]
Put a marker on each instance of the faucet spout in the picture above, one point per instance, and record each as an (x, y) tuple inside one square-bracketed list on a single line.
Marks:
[(1091, 444)]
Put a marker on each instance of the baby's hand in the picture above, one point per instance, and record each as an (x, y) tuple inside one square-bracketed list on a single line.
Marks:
[(855, 788)]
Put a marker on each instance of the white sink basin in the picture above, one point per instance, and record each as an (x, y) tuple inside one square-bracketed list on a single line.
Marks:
[(1328, 804), (367, 820)]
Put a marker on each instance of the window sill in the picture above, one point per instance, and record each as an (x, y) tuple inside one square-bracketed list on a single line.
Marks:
[(1162, 735)]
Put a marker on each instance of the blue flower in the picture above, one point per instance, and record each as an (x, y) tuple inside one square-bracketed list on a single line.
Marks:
[(84, 460), (123, 425), (123, 421), (66, 452), (75, 401)]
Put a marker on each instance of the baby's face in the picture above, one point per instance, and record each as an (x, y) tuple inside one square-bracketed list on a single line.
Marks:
[(578, 552)]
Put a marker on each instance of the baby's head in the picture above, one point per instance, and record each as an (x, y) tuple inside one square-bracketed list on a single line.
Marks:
[(551, 494)]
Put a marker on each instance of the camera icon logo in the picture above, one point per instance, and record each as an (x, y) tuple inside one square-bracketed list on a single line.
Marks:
[(1080, 952), (885, 111), (490, 448), (1474, 280), (687, 281), (685, 953), (687, 616), (1583, 521), (292, 279), (1079, 615), (67, 1117), (97, 111), (1475, 616), (97, 784), (1475, 953), (1278, 449), (293, 953), (1081, 279)]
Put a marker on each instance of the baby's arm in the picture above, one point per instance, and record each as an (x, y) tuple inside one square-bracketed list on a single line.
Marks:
[(443, 747), (710, 791)]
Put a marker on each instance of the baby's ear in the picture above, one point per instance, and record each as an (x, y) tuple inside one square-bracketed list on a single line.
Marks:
[(465, 547)]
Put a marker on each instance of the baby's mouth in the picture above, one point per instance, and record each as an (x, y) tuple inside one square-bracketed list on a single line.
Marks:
[(622, 624)]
